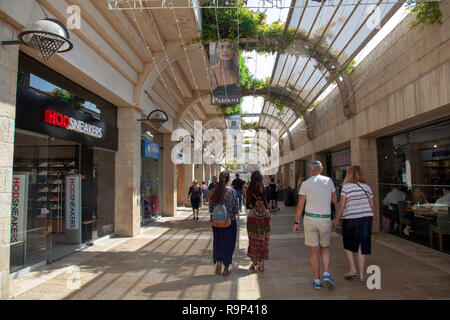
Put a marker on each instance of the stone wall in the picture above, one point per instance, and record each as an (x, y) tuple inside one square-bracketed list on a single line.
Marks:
[(9, 59)]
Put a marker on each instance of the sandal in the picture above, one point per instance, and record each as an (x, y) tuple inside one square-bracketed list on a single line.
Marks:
[(364, 278), (226, 272), (350, 275), (261, 268), (252, 268), (218, 267)]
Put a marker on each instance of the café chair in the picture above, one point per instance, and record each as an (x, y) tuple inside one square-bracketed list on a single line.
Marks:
[(441, 228), (401, 211)]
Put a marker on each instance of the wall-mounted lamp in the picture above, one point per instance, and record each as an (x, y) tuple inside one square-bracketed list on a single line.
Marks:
[(46, 37), (157, 118)]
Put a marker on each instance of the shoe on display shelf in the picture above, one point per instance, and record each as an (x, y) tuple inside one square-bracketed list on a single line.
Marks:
[(43, 173), (43, 198), (71, 164), (57, 181), (55, 198), (55, 189), (43, 164), (45, 189)]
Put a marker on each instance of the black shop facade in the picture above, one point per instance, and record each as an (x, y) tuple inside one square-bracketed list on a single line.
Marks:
[(63, 167)]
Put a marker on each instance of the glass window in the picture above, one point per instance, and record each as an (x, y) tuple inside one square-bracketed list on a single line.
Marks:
[(414, 178)]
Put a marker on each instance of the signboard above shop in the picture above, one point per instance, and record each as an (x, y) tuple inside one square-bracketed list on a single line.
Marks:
[(341, 158), (436, 154), (38, 113)]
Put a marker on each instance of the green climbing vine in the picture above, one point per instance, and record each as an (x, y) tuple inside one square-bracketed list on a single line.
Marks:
[(427, 12), (255, 34)]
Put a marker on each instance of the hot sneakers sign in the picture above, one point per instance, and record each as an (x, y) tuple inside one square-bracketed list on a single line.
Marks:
[(59, 120)]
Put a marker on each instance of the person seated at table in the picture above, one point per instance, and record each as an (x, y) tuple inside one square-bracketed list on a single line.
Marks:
[(443, 201), (418, 197), (393, 198)]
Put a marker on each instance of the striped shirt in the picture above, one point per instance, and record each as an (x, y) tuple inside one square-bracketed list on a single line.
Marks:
[(356, 203)]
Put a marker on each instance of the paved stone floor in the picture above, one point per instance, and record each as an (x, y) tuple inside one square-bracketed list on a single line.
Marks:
[(172, 259)]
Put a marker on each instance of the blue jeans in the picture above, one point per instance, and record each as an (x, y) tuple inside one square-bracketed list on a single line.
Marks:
[(239, 193)]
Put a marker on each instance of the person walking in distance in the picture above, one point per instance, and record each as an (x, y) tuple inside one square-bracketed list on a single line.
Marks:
[(238, 185), (356, 208), (319, 193), (211, 187), (196, 196), (224, 239), (272, 190), (204, 192)]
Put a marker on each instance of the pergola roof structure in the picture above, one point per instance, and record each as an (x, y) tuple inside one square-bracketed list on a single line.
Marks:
[(175, 73), (338, 32)]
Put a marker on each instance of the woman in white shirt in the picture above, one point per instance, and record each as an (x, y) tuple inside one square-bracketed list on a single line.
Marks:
[(356, 208)]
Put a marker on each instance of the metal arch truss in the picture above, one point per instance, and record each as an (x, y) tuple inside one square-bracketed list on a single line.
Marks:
[(262, 4)]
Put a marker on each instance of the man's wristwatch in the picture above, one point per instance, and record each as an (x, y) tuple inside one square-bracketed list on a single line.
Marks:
[(296, 222)]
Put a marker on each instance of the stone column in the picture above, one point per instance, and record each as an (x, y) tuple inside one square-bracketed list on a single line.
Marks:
[(198, 173), (169, 200), (364, 154), (8, 87), (207, 172), (128, 173), (188, 178), (286, 174)]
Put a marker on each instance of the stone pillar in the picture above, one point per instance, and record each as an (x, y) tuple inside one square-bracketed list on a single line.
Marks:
[(188, 178), (286, 175), (169, 200), (8, 87), (198, 174), (207, 172), (128, 173), (364, 154)]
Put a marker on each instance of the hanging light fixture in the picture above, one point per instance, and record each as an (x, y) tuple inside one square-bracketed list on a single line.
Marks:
[(47, 37), (157, 118)]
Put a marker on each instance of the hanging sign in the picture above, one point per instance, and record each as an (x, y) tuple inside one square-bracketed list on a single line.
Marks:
[(150, 150), (224, 73), (19, 208), (73, 202)]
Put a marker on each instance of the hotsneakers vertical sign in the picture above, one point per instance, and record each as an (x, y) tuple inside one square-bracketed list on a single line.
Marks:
[(19, 208), (73, 202)]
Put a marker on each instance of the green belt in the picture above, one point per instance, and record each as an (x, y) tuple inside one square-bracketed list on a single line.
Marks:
[(313, 215)]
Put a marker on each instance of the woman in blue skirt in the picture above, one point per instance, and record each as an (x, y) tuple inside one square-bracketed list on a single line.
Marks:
[(224, 238)]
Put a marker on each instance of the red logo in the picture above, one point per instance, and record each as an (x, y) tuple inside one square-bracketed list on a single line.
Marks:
[(56, 119)]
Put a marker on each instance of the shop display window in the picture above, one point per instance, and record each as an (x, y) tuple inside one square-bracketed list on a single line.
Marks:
[(414, 182)]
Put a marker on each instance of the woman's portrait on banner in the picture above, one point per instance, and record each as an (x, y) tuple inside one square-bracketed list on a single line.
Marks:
[(224, 73)]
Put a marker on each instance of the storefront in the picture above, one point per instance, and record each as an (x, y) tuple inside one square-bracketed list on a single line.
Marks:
[(414, 171), (64, 160), (338, 163), (151, 177)]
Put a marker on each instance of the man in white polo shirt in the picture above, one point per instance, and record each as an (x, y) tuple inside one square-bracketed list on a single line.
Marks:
[(319, 193)]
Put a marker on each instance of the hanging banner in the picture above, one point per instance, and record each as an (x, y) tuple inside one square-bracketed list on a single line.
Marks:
[(19, 208), (73, 202), (224, 73)]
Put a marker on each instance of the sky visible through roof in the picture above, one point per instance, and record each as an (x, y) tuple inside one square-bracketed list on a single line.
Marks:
[(261, 65)]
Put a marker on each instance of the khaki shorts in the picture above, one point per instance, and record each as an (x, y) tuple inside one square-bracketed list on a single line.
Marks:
[(317, 231)]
